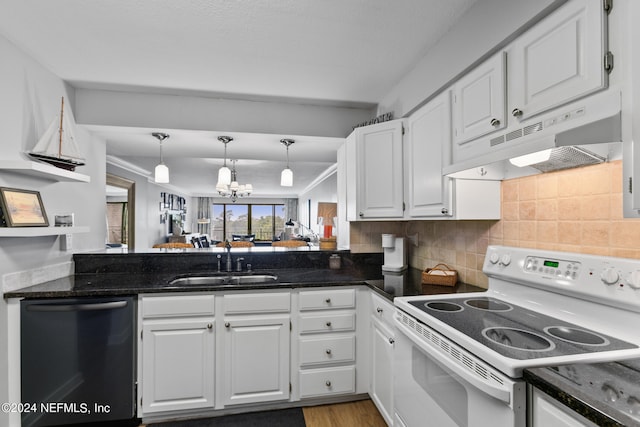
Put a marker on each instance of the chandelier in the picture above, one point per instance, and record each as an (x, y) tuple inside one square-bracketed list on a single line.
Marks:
[(234, 190)]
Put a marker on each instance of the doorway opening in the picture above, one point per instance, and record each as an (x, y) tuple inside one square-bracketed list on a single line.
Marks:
[(120, 212)]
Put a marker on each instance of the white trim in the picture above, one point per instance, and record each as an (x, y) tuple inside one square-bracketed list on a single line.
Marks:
[(321, 178)]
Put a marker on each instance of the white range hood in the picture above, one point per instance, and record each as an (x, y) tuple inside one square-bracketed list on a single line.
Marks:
[(585, 132)]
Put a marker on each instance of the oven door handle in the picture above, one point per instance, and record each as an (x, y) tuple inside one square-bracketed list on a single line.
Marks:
[(500, 393)]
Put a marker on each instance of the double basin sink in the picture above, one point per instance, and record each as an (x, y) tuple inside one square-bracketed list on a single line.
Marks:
[(217, 280)]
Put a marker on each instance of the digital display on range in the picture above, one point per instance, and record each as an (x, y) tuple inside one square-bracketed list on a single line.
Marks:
[(553, 264)]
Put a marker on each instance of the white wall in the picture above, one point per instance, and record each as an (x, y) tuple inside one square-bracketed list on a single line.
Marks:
[(487, 24), (325, 191), (30, 100)]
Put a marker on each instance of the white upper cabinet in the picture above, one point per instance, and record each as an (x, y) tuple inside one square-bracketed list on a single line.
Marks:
[(427, 151), (479, 100), (375, 172), (559, 60)]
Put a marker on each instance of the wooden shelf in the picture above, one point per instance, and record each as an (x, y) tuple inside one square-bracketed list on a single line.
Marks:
[(42, 170), (40, 231)]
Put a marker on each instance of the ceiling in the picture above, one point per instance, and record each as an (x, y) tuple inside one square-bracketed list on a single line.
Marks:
[(326, 52)]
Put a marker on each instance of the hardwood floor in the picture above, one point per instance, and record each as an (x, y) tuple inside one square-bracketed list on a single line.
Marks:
[(362, 413)]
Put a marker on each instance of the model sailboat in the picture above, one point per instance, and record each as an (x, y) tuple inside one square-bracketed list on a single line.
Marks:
[(57, 146)]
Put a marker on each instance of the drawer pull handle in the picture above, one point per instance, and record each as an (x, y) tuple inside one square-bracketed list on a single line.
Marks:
[(227, 324), (209, 326), (495, 122), (328, 300), (379, 310), (328, 383), (328, 324), (328, 351), (391, 340)]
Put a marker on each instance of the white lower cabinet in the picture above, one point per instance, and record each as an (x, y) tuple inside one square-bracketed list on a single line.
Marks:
[(547, 412), (177, 353), (382, 344), (203, 352), (256, 348), (327, 342)]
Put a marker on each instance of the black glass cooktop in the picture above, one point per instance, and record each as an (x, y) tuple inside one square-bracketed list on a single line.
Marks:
[(517, 332)]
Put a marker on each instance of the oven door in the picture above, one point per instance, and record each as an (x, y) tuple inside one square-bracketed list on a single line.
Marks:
[(432, 388)]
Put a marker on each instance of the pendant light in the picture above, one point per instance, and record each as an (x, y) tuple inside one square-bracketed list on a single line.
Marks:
[(161, 174), (224, 173), (286, 177)]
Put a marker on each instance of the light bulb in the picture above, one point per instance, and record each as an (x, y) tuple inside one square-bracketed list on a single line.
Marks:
[(286, 178), (224, 175), (161, 174)]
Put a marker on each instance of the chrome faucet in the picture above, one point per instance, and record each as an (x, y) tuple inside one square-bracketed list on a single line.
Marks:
[(227, 246)]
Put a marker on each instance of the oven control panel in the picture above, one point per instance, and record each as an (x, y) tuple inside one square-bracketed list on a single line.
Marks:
[(552, 267), (603, 279)]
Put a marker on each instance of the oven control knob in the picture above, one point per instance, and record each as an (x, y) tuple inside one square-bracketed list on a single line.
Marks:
[(634, 279), (505, 259), (494, 258), (609, 276)]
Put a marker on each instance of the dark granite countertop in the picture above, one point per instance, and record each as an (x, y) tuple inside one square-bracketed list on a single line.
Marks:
[(388, 285), (607, 394)]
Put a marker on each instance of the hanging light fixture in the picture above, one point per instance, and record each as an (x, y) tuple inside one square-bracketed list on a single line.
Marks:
[(286, 177), (161, 174), (234, 190), (224, 173)]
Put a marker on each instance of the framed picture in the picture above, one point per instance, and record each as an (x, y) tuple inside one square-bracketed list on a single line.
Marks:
[(22, 208)]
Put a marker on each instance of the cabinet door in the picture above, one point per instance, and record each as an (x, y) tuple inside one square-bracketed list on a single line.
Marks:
[(479, 100), (256, 365), (559, 60), (382, 370), (177, 365), (428, 150), (378, 160), (545, 412)]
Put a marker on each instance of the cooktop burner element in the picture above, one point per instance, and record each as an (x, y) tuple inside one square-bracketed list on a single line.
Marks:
[(488, 304), (518, 339), (578, 336), (444, 306)]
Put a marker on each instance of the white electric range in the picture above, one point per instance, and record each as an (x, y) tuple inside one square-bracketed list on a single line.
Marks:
[(459, 357)]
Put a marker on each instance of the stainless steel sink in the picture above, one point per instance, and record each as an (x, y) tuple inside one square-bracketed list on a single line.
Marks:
[(223, 280)]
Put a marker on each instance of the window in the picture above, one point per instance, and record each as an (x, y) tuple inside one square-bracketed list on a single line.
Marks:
[(261, 222)]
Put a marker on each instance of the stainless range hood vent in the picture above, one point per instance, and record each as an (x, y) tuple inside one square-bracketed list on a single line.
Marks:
[(586, 132), (567, 158)]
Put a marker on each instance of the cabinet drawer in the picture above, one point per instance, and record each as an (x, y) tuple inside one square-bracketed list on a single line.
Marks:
[(327, 349), (329, 322), (177, 305), (322, 382), (329, 298), (279, 302), (382, 310)]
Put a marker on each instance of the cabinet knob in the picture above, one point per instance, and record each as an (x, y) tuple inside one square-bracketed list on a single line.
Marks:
[(495, 122), (209, 326), (227, 324), (360, 214), (328, 383), (516, 112), (444, 211), (328, 351), (328, 300), (328, 324), (391, 341), (379, 310)]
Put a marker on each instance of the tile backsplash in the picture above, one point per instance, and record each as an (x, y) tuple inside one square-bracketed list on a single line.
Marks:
[(577, 210)]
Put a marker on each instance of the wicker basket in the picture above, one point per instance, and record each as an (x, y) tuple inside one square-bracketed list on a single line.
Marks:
[(441, 274)]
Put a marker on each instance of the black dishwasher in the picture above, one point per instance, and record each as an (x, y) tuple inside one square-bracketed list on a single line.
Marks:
[(77, 360)]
